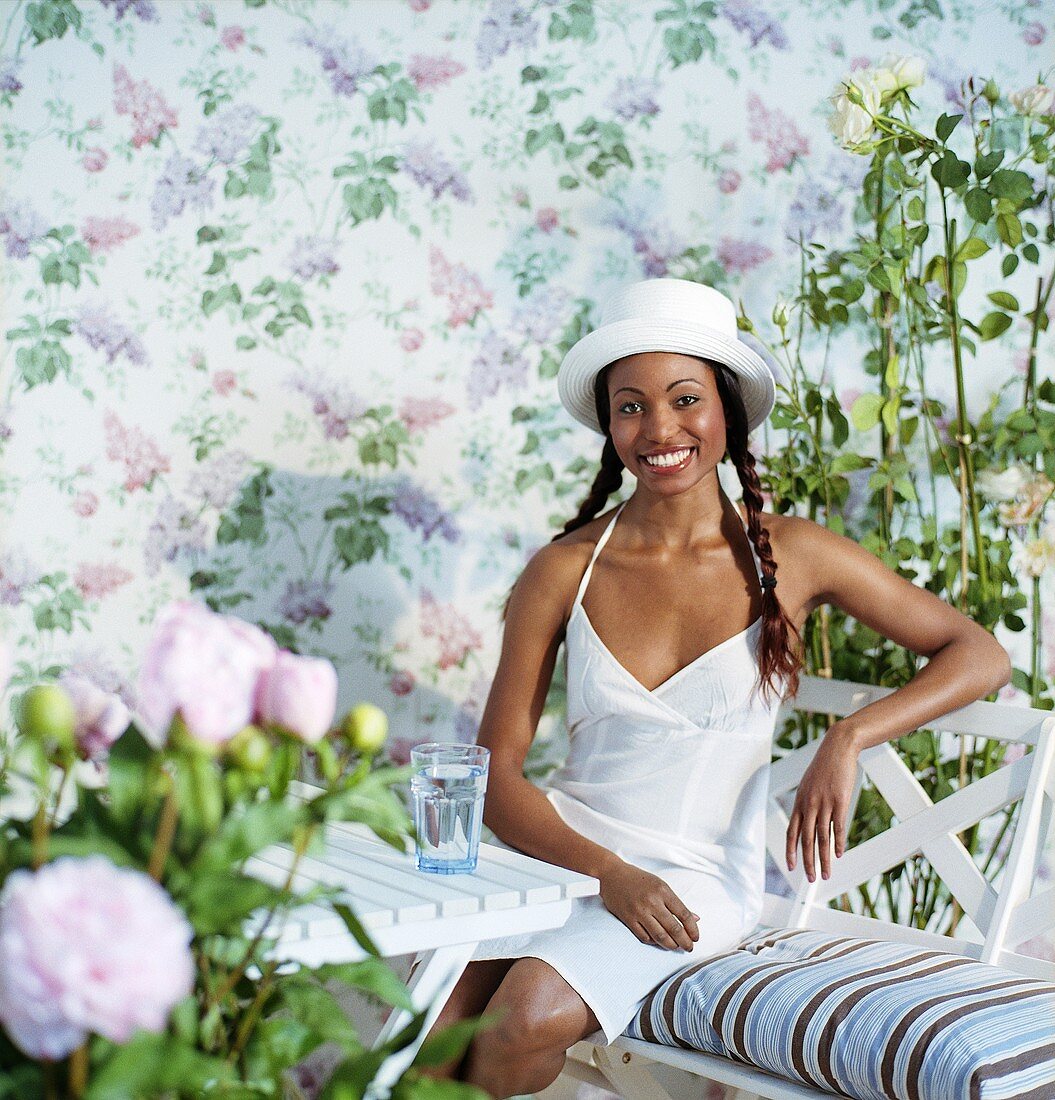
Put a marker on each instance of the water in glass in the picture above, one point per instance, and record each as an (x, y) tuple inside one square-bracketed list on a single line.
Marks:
[(447, 791)]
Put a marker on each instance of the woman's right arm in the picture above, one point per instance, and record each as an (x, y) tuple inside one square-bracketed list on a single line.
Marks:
[(514, 808)]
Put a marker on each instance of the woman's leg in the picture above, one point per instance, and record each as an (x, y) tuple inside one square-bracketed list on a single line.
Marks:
[(542, 1016), (469, 997)]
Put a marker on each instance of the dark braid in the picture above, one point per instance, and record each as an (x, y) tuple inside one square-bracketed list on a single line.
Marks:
[(776, 655), (609, 477)]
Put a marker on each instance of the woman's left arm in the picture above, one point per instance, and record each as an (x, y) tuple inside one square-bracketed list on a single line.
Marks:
[(964, 663)]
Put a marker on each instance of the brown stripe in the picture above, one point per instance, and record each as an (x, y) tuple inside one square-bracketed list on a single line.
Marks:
[(768, 971), (671, 995), (1017, 1062), (955, 1015), (669, 999), (883, 969), (644, 1019), (842, 1009)]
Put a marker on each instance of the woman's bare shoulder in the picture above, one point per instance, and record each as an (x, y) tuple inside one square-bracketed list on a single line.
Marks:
[(553, 572)]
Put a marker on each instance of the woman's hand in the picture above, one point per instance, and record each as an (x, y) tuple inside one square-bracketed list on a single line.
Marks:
[(648, 907), (823, 801)]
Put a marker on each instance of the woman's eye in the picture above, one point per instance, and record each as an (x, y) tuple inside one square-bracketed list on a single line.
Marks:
[(691, 397)]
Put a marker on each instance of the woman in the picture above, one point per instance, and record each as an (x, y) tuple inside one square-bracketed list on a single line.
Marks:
[(678, 650)]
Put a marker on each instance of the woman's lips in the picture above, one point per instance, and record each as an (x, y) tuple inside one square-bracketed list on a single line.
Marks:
[(669, 469)]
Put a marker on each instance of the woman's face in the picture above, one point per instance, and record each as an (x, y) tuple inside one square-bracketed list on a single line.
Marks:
[(666, 404)]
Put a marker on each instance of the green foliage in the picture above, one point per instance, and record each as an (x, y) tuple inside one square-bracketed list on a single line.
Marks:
[(928, 223), (371, 193), (251, 1017)]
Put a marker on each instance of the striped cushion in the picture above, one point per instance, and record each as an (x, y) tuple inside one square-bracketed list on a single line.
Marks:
[(862, 1018)]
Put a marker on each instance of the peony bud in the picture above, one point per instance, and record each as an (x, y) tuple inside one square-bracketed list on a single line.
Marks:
[(203, 667), (101, 716), (298, 695)]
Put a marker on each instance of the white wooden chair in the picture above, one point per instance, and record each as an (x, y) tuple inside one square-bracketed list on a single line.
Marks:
[(996, 920)]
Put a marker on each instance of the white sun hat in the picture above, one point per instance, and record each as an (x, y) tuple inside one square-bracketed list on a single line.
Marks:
[(665, 315)]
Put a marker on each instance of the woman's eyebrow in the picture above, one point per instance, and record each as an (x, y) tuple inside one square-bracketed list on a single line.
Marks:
[(632, 389)]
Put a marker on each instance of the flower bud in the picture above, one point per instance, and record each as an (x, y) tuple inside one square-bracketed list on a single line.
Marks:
[(48, 715), (365, 728)]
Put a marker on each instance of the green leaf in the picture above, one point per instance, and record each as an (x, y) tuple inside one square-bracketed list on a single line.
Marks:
[(149, 1065), (374, 976), (1009, 229), (354, 925), (950, 171), (416, 1086), (1003, 299), (945, 126), (246, 832), (1011, 184), (454, 1040), (1010, 262), (979, 204), (971, 249), (993, 324), (129, 765), (987, 163), (865, 411)]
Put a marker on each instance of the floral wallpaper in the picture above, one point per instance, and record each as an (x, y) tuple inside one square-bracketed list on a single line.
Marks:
[(287, 282)]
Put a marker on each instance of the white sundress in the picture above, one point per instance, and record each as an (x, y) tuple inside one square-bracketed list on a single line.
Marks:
[(673, 780)]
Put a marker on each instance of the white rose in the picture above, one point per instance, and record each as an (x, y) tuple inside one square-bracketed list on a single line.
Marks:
[(884, 80), (1037, 100), (849, 122), (1001, 484), (907, 72), (1035, 556)]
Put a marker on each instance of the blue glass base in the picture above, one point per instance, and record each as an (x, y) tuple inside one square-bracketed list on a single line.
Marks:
[(447, 866)]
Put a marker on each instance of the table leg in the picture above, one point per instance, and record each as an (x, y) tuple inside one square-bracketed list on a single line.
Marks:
[(434, 978)]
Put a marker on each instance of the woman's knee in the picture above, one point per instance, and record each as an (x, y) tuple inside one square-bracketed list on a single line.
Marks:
[(539, 1011), (470, 997)]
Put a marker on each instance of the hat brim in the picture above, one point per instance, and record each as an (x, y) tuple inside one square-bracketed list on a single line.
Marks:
[(613, 341)]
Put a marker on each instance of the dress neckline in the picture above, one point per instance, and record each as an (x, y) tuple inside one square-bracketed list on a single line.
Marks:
[(581, 610)]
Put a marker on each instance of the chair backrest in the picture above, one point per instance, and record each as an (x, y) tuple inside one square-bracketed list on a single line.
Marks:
[(996, 920)]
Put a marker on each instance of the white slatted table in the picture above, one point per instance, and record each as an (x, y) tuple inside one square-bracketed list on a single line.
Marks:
[(441, 918)]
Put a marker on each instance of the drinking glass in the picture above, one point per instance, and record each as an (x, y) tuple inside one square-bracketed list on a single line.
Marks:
[(447, 785)]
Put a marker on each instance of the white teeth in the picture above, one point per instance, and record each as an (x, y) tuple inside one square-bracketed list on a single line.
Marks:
[(673, 459)]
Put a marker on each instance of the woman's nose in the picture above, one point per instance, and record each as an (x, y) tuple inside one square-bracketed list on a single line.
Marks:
[(660, 425)]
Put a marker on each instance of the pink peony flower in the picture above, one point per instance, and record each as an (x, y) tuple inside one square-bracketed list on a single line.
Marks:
[(95, 159), (420, 5), (101, 716), (232, 38), (204, 667), (402, 683), (87, 947), (298, 694), (86, 503), (410, 339), (547, 219)]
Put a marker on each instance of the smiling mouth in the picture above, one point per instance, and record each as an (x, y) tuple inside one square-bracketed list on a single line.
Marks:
[(674, 460)]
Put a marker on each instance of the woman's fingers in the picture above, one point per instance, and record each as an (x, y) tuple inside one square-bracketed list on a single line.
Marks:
[(663, 934), (813, 829)]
